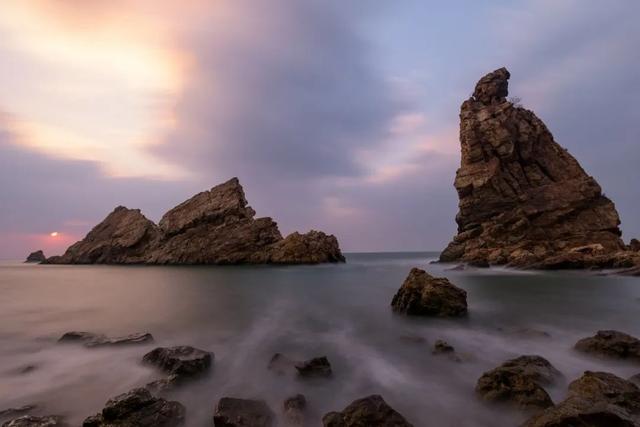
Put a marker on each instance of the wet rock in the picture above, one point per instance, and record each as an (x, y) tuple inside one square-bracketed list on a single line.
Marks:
[(424, 295), (368, 411), (519, 382), (12, 412), (316, 367), (36, 257), (281, 364), (294, 410), (523, 199), (232, 412), (442, 347), (140, 409), (182, 361), (34, 421), (89, 339), (597, 399), (613, 344), (212, 227)]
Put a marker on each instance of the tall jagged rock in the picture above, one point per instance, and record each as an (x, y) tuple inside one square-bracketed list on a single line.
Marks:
[(212, 227), (524, 200)]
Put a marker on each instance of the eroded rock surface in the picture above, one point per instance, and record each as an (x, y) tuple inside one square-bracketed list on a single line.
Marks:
[(36, 257), (524, 200), (519, 382), (613, 344), (424, 295), (89, 339), (597, 399), (140, 409), (35, 421), (180, 363), (212, 227), (232, 412), (368, 411)]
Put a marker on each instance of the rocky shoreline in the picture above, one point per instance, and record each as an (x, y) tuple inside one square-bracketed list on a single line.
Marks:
[(212, 227)]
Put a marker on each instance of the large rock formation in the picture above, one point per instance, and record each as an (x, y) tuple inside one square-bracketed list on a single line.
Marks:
[(524, 200), (212, 227)]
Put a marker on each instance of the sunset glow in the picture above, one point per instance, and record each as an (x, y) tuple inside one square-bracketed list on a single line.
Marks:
[(54, 234)]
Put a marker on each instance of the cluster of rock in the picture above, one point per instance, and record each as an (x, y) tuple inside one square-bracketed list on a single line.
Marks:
[(213, 227), (524, 200)]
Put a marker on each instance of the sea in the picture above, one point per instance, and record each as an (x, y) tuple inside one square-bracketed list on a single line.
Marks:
[(246, 314)]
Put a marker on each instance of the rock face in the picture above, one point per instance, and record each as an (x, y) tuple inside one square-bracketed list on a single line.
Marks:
[(368, 411), (231, 412), (89, 339), (212, 227), (613, 344), (424, 295), (138, 408), (519, 382), (37, 256), (524, 200), (597, 399), (33, 421)]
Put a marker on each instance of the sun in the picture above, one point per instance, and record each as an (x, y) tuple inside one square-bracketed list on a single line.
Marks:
[(54, 234)]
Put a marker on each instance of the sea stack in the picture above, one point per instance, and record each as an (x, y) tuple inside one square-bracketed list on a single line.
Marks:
[(36, 257), (524, 200), (212, 227)]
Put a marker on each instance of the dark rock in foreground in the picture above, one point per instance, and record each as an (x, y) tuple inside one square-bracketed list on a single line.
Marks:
[(368, 411), (524, 200), (424, 295), (316, 367), (213, 227), (33, 421), (89, 339), (37, 256), (180, 362), (231, 412), (140, 409), (518, 382), (597, 399), (613, 344), (294, 410)]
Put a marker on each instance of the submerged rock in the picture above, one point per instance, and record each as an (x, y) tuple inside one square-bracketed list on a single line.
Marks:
[(281, 364), (294, 410), (368, 411), (34, 421), (37, 256), (612, 344), (424, 295), (212, 227), (181, 361), (524, 200), (316, 367), (140, 409), (232, 412), (519, 382), (597, 399), (89, 339)]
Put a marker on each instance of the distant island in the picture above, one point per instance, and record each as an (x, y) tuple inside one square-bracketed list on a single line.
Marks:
[(212, 227), (524, 200)]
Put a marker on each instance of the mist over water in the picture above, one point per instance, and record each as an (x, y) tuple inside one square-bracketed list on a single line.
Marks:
[(246, 314)]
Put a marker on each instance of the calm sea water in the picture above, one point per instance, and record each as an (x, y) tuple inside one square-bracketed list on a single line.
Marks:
[(246, 314)]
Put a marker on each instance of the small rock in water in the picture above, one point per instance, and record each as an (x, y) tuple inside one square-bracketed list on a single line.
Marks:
[(89, 339), (518, 382), (424, 295), (281, 364), (183, 361), (316, 367), (33, 421), (613, 344), (294, 410), (36, 257), (597, 399), (140, 409), (442, 346), (232, 412), (368, 411)]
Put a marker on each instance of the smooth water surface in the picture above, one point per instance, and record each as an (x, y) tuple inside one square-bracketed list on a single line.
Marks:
[(246, 314)]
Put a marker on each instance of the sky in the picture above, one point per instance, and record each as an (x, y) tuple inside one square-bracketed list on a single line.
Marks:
[(338, 116)]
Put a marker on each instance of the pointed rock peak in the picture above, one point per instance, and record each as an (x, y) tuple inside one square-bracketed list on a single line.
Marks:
[(493, 88)]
